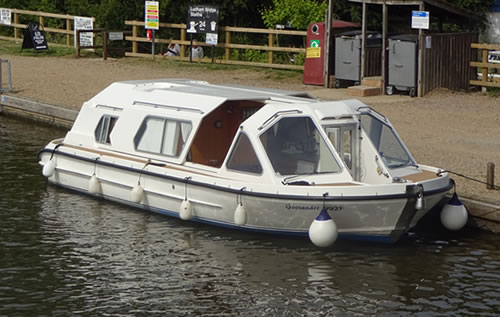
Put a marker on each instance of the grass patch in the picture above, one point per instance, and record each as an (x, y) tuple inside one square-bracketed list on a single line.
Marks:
[(267, 73), (493, 92), (14, 48)]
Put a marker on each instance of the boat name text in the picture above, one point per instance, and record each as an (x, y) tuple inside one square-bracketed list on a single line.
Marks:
[(313, 207)]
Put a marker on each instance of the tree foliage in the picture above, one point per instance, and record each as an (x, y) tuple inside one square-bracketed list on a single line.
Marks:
[(478, 6), (297, 13), (111, 14)]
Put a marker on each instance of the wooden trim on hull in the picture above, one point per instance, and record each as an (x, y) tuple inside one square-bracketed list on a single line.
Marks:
[(420, 177)]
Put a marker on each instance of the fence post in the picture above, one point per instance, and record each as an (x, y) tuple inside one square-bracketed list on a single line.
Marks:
[(68, 28), (134, 35), (105, 45), (77, 41), (183, 38), (490, 175), (16, 21), (484, 72), (41, 22), (228, 41), (270, 54)]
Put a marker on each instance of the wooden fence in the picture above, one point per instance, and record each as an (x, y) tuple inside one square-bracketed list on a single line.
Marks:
[(227, 45), (486, 80), (445, 62), (373, 67), (67, 30)]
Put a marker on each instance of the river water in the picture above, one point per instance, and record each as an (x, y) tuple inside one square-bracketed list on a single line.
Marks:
[(65, 254)]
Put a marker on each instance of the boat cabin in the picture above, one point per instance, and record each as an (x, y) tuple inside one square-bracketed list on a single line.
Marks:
[(230, 130)]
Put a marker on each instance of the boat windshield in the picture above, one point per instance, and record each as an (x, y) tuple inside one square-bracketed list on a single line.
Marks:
[(295, 147), (387, 142)]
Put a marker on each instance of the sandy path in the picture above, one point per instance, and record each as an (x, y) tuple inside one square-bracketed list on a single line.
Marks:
[(455, 131)]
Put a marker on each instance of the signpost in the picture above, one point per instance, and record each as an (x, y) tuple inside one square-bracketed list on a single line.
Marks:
[(152, 20), (203, 19), (34, 38)]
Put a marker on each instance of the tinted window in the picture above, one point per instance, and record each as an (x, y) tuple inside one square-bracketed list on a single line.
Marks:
[(295, 146), (104, 128), (162, 136), (243, 157)]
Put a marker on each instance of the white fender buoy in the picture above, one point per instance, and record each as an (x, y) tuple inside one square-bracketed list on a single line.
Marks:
[(94, 185), (323, 230), (454, 215), (137, 193), (240, 215), (49, 168), (186, 211)]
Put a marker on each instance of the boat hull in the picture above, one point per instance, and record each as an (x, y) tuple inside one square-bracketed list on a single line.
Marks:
[(381, 218)]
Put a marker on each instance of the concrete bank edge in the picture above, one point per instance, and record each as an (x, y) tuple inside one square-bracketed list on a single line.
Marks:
[(39, 111)]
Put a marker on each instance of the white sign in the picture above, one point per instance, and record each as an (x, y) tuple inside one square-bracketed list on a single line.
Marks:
[(115, 36), (211, 38), (82, 23), (420, 20), (152, 15), (5, 16)]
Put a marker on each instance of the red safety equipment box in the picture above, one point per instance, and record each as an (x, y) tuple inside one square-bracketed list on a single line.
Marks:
[(314, 65)]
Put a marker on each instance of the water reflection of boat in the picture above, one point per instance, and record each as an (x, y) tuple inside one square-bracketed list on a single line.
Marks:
[(246, 158)]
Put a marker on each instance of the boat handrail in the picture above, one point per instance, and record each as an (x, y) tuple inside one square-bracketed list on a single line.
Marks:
[(157, 105), (372, 110), (109, 107), (277, 114)]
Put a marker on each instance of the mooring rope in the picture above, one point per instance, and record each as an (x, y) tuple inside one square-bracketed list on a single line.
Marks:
[(469, 178)]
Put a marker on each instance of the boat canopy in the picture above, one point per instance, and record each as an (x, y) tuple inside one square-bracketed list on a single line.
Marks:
[(187, 95)]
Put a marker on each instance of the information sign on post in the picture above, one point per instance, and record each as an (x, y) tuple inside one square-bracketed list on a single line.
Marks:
[(420, 20), (83, 23), (204, 19), (152, 21), (5, 16), (152, 16)]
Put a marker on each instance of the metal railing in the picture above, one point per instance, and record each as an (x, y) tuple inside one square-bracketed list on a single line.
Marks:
[(9, 77)]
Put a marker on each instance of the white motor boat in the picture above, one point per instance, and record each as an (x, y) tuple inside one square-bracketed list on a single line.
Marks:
[(262, 160)]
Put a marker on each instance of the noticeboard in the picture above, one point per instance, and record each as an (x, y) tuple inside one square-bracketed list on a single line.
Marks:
[(34, 37), (202, 19), (84, 23), (5, 16)]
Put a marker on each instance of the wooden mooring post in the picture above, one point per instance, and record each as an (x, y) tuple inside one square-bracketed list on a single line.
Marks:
[(490, 175)]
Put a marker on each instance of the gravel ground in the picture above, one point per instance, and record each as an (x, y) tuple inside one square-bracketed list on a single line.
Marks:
[(455, 131)]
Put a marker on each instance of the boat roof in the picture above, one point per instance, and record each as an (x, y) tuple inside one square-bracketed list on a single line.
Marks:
[(191, 95), (198, 98)]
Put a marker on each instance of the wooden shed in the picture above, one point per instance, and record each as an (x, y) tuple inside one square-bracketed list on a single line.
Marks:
[(443, 58)]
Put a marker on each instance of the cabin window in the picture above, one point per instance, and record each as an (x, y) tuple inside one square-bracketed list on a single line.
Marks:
[(162, 136), (295, 146), (243, 157), (104, 128), (387, 143)]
